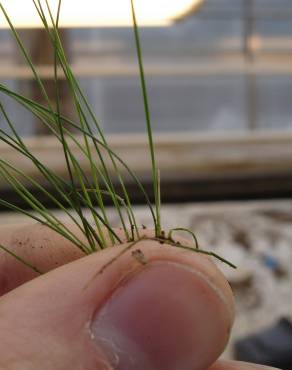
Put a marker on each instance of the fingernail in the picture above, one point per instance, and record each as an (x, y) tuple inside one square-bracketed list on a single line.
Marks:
[(167, 316)]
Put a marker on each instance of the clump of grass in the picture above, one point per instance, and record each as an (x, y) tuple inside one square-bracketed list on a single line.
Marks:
[(80, 192)]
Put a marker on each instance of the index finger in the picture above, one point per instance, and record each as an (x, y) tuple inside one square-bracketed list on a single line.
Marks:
[(37, 244)]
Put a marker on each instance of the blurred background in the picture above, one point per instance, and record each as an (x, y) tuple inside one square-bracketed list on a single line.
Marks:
[(220, 91), (219, 81), (224, 68)]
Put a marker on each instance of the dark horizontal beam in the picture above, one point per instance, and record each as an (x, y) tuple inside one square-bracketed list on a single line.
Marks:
[(199, 190)]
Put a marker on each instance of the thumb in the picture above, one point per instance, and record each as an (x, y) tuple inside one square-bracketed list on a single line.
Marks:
[(174, 312)]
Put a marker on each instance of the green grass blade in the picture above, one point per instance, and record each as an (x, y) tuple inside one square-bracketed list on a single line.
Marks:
[(148, 122), (22, 260)]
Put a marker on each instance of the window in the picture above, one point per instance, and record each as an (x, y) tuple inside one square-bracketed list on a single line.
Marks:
[(222, 75)]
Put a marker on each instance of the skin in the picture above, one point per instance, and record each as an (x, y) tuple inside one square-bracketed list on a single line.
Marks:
[(57, 320)]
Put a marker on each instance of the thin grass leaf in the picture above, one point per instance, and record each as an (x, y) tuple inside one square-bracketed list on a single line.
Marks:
[(170, 233), (155, 178), (192, 249), (20, 259)]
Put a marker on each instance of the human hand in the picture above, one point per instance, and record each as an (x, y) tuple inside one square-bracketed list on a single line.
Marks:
[(173, 313)]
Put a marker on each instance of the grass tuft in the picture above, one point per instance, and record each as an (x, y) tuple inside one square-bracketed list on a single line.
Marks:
[(81, 191)]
